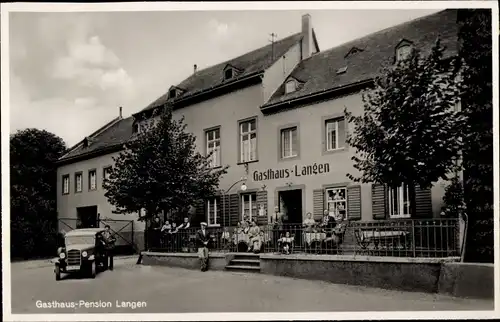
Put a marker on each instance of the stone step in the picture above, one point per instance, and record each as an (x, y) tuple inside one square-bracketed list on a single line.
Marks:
[(248, 262), (243, 268), (247, 256)]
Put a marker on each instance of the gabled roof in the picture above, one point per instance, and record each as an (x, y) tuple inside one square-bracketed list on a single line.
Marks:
[(320, 71), (250, 63), (114, 136)]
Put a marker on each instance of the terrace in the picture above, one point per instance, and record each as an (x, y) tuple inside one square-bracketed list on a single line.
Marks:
[(407, 238)]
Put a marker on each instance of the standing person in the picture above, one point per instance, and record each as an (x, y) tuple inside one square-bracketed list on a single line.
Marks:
[(154, 229), (202, 240), (109, 246)]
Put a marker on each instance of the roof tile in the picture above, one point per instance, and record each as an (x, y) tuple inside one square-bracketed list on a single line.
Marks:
[(319, 72)]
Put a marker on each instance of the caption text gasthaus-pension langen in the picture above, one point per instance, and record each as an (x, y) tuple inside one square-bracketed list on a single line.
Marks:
[(90, 304)]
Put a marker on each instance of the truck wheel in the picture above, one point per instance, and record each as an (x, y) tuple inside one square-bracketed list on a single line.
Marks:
[(93, 269), (58, 273)]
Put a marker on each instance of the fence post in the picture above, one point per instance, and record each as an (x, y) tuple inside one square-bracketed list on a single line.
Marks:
[(413, 238)]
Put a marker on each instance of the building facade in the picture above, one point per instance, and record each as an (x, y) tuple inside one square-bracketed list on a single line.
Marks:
[(276, 117)]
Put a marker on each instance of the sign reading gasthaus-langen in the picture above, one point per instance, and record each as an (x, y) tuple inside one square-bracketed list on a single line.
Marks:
[(296, 171)]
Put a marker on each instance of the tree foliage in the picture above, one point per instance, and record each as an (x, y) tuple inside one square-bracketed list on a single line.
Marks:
[(476, 50), (453, 199), (410, 131), (161, 170), (33, 179)]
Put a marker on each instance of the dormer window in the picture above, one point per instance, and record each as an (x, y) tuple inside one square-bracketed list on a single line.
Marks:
[(403, 50), (135, 128), (290, 86), (175, 91), (228, 74), (86, 143)]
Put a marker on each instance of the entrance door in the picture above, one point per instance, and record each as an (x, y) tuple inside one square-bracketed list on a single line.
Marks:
[(291, 206), (87, 217)]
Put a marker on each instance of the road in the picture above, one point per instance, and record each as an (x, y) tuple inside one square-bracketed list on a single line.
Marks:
[(176, 290)]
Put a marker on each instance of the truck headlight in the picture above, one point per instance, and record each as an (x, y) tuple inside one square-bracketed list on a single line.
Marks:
[(62, 255), (84, 254)]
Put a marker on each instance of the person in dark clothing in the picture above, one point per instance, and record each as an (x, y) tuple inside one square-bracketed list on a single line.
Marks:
[(155, 233), (202, 241), (109, 245)]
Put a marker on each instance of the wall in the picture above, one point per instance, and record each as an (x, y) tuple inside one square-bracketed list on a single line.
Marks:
[(279, 71), (67, 204), (225, 111), (183, 260), (399, 274)]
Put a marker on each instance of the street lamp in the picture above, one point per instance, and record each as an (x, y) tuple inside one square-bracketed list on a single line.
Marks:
[(243, 188)]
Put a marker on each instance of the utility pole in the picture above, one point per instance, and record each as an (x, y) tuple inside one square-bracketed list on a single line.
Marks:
[(273, 37)]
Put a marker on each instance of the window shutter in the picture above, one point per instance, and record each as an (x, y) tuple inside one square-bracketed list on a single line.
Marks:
[(219, 210), (318, 204), (423, 202), (234, 209), (354, 202), (262, 200), (200, 213), (379, 201)]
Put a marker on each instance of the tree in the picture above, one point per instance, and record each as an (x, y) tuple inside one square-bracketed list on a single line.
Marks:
[(410, 131), (476, 50), (160, 170), (33, 178)]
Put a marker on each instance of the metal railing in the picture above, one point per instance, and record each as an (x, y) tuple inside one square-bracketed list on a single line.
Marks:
[(398, 238)]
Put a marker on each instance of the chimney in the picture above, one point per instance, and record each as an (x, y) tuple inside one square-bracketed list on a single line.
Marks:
[(307, 39), (121, 115), (195, 67)]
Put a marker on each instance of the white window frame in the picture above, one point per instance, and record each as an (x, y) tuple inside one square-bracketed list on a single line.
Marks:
[(335, 123), (248, 133), (290, 86), (289, 132), (65, 188), (403, 52), (338, 201), (401, 209), (78, 176), (93, 185), (252, 205), (212, 204), (215, 160)]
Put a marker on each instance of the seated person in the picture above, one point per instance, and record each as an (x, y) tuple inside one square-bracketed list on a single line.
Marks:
[(254, 237), (309, 223), (286, 243)]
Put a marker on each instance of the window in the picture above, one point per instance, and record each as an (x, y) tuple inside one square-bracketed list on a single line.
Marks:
[(249, 206), (289, 143), (106, 172), (335, 134), (212, 206), (65, 184), (92, 180), (248, 141), (336, 202), (172, 93), (136, 128), (78, 182), (213, 146), (290, 86), (228, 74), (403, 52), (399, 202)]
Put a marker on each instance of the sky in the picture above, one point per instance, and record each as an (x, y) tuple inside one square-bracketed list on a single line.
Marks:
[(70, 71)]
